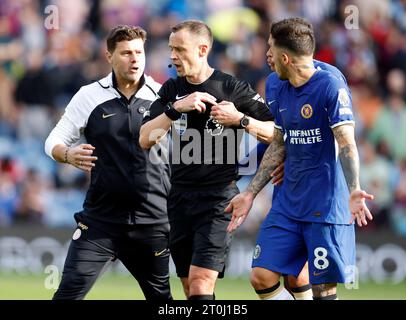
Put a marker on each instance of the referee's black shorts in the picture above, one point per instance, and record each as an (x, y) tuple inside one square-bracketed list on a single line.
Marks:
[(143, 250), (198, 234)]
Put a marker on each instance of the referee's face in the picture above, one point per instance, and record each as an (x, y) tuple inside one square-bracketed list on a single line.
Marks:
[(128, 60), (186, 53)]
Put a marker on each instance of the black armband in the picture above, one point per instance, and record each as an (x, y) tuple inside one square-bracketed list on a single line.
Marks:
[(171, 112)]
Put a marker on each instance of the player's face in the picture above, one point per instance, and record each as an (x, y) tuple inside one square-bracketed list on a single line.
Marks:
[(185, 53), (280, 61), (128, 60)]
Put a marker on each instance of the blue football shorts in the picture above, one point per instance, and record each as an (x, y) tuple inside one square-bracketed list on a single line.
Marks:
[(284, 245)]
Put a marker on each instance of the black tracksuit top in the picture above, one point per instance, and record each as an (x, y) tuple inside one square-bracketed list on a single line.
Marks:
[(126, 186)]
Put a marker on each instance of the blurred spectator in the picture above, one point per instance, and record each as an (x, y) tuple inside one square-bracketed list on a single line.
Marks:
[(31, 87), (30, 208), (10, 176), (390, 125), (367, 104), (73, 14), (398, 217), (116, 12), (376, 175), (255, 69)]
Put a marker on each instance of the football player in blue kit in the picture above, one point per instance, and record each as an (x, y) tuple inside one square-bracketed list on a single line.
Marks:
[(312, 214), (298, 286)]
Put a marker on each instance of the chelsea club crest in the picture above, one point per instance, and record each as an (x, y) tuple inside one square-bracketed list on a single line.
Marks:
[(306, 111), (257, 251)]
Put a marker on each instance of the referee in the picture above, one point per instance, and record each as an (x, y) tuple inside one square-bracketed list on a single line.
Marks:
[(202, 104), (124, 214)]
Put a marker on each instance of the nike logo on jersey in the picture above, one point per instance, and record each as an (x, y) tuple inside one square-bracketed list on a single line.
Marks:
[(270, 102), (178, 98), (281, 110), (108, 115), (158, 253), (316, 274)]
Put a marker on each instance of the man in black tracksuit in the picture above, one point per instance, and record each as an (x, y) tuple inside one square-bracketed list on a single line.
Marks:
[(207, 111), (124, 214)]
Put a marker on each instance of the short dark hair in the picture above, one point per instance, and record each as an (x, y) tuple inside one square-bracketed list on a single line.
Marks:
[(294, 34), (196, 27), (122, 33)]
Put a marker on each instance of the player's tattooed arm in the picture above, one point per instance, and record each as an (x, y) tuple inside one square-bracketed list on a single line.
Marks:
[(274, 156), (348, 154), (349, 158)]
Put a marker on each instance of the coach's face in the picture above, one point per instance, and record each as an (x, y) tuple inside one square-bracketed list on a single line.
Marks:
[(128, 60), (187, 52)]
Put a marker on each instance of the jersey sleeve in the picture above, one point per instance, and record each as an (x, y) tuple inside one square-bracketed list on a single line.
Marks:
[(272, 90), (272, 86), (278, 120), (159, 105), (69, 128), (250, 102), (338, 103)]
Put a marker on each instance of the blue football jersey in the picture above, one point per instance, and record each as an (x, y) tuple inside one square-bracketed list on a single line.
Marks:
[(314, 187), (272, 85)]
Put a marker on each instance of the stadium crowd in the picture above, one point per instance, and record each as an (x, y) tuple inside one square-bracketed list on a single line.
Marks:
[(42, 65)]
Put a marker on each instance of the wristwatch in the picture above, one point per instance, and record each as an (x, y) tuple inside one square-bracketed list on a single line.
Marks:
[(245, 121)]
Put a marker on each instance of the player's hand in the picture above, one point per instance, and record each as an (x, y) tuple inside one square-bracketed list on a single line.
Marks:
[(81, 157), (277, 174), (359, 210), (239, 206), (226, 114), (194, 101)]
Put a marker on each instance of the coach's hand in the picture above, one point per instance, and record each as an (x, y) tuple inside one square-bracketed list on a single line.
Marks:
[(277, 174), (359, 209), (226, 114), (239, 206), (194, 101), (81, 157)]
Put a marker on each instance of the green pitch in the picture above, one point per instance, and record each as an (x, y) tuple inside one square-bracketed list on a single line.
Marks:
[(122, 287)]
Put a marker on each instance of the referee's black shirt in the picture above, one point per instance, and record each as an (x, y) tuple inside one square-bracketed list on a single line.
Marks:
[(204, 153)]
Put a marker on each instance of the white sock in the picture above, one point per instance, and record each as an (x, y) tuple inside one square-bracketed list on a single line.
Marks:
[(277, 292), (303, 293), (282, 295)]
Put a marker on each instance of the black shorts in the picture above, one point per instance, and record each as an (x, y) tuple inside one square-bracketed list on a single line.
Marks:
[(143, 250), (198, 234)]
